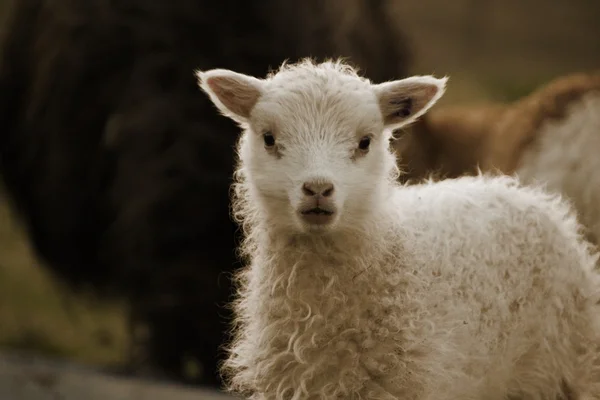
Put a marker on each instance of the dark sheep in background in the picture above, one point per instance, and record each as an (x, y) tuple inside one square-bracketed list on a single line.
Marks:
[(119, 166)]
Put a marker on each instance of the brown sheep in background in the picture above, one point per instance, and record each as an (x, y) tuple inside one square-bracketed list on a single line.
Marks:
[(119, 166), (551, 135)]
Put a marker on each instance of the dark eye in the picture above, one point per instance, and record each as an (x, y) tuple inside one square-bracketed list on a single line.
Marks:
[(269, 139), (364, 143)]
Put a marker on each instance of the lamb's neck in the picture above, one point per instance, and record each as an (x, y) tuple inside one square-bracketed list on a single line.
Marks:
[(344, 255), (303, 295)]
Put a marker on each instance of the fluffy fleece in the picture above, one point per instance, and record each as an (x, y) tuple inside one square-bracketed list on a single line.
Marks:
[(474, 288), (551, 136), (118, 165)]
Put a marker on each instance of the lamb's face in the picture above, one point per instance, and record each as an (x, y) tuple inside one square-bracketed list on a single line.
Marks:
[(316, 152), (315, 149)]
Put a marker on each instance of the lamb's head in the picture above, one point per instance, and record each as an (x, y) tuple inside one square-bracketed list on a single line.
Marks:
[(315, 150)]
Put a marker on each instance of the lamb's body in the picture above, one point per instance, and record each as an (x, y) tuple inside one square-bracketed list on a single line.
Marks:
[(473, 288)]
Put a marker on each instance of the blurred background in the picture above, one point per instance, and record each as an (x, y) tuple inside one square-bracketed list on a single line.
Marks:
[(500, 50), (493, 50)]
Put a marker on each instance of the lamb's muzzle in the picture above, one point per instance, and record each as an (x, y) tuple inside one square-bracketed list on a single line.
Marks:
[(318, 188), (318, 207)]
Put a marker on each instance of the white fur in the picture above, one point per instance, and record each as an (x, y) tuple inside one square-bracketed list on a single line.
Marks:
[(567, 159), (474, 288)]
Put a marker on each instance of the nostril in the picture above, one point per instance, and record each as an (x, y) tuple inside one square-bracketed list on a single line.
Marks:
[(328, 191), (306, 189), (317, 188)]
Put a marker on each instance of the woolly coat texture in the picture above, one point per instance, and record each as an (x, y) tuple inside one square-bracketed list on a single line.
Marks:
[(473, 288), (118, 166)]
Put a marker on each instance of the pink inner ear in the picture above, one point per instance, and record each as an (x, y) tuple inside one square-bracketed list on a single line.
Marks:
[(405, 101), (429, 92), (219, 86), (238, 96)]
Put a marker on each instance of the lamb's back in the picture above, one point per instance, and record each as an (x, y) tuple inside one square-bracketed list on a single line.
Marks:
[(490, 252), (499, 268)]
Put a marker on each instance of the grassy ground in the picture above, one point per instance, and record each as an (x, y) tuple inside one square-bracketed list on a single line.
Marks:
[(37, 314), (492, 50)]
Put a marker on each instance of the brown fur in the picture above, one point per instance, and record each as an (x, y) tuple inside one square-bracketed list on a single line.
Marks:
[(455, 140)]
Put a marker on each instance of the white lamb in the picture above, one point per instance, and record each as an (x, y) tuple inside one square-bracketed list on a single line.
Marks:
[(360, 288)]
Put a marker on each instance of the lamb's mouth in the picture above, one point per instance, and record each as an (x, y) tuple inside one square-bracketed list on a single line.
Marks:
[(317, 216), (317, 211)]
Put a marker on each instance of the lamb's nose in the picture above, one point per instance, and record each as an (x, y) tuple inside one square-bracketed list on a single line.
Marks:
[(324, 189)]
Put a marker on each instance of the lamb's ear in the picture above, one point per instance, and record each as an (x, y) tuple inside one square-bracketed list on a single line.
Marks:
[(403, 101), (234, 94)]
